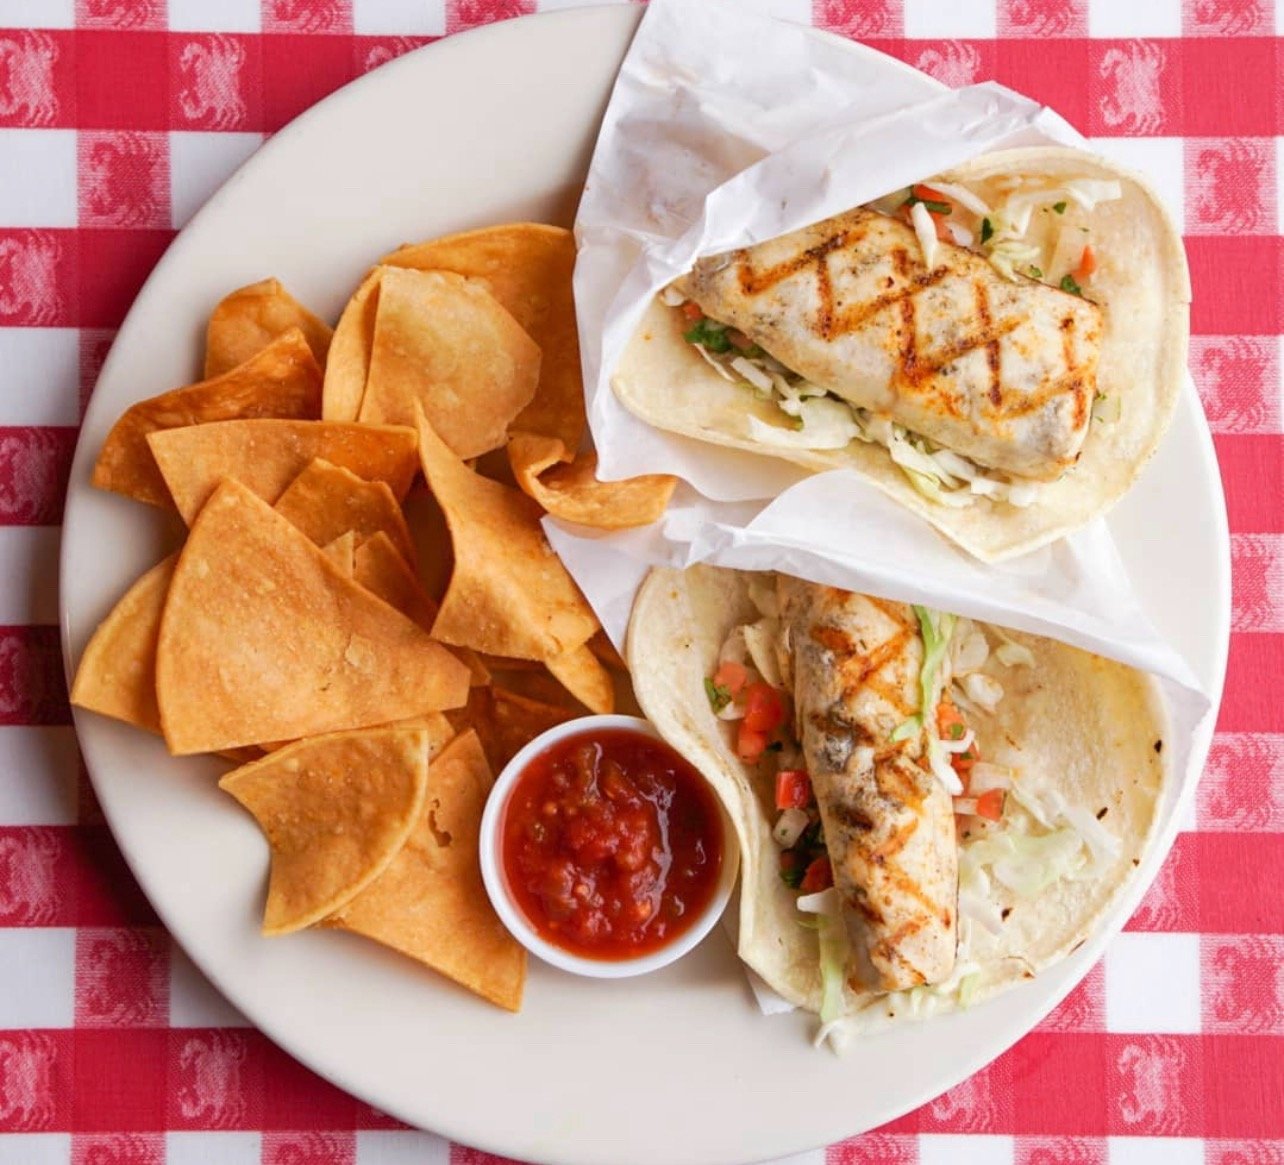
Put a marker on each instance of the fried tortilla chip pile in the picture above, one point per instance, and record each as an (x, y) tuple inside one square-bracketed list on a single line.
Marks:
[(368, 649)]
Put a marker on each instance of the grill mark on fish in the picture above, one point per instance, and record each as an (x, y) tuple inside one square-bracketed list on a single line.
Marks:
[(992, 357)]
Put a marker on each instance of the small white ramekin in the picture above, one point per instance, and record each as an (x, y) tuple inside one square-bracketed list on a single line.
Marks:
[(510, 913)]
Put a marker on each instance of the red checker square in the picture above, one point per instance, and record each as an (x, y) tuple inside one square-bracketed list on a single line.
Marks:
[(369, 1117), (123, 177), (214, 1079), (122, 80), (35, 463), (35, 864), (1242, 978), (1230, 186), (1238, 379), (1083, 1010), (1226, 18), (113, 265), (1155, 1084), (1230, 89), (1243, 1080), (1134, 88), (295, 1097), (37, 1074), (119, 1079), (1253, 477), (1253, 863), (120, 14), (462, 14), (1242, 789), (307, 16), (1054, 72), (95, 343), (1042, 18), (38, 278), (1251, 703), (1061, 1151), (1172, 902), (309, 1148), (122, 977), (874, 1149), (298, 71), (118, 1149), (103, 889), (953, 62), (980, 1104), (37, 77), (216, 81), (1257, 567), (1054, 1077), (33, 689), (369, 52), (1236, 285), (860, 19)]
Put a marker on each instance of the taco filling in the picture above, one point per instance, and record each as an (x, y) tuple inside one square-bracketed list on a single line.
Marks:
[(929, 323)]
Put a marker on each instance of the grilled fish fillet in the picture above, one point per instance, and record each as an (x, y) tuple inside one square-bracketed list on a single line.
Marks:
[(854, 663), (1001, 372)]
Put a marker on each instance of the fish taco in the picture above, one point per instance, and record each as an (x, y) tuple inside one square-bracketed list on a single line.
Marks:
[(930, 809), (999, 349)]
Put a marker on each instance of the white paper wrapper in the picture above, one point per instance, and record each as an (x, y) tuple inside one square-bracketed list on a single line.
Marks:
[(727, 128)]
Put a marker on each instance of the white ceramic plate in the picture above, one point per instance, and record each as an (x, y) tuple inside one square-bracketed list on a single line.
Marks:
[(678, 1067)]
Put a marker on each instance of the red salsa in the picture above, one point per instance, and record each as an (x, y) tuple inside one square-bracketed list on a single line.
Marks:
[(612, 844)]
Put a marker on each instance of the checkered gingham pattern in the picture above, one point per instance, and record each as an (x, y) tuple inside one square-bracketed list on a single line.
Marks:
[(119, 117)]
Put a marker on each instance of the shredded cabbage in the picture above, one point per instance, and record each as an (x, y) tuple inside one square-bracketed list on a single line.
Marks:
[(826, 424), (833, 949)]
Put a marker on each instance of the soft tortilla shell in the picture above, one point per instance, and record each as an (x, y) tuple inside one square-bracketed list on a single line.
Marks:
[(1143, 287), (1085, 724)]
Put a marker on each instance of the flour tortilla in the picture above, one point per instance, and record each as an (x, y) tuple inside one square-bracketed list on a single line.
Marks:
[(1086, 725), (1143, 287)]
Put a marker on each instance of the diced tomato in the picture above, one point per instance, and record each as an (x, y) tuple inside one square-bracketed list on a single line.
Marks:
[(692, 311), (1087, 263), (819, 876), (750, 743), (793, 789), (738, 339), (947, 717), (927, 194), (730, 675), (990, 804), (764, 708)]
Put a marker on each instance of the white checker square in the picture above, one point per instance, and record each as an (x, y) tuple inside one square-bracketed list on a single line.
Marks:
[(407, 1147), (1161, 161), (38, 776), (39, 188), (936, 1149), (37, 14), (933, 20), (1152, 983), (35, 1149), (38, 970), (42, 374), (204, 1148), (216, 16), (1115, 19), (199, 163), (399, 17), (1155, 1150), (193, 1002)]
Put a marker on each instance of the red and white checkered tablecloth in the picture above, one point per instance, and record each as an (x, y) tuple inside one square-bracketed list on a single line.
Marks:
[(118, 118)]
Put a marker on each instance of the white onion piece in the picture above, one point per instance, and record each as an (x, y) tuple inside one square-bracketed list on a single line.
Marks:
[(925, 229), (790, 826), (983, 690), (963, 196), (672, 297), (752, 373)]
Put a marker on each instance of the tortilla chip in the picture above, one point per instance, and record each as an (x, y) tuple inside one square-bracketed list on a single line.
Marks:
[(440, 733), (509, 593), (580, 673), (537, 684), (263, 639), (568, 487), (325, 500), (435, 557), (249, 319), (283, 380), (342, 552), (335, 811), (506, 722), (265, 456), (430, 903), (348, 364), (117, 673), (527, 267), (444, 344)]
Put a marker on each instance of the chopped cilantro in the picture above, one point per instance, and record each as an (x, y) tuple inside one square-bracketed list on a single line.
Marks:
[(1059, 207), (709, 334), (956, 731), (932, 204), (1068, 284), (719, 696), (792, 877), (987, 231), (1036, 272)]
